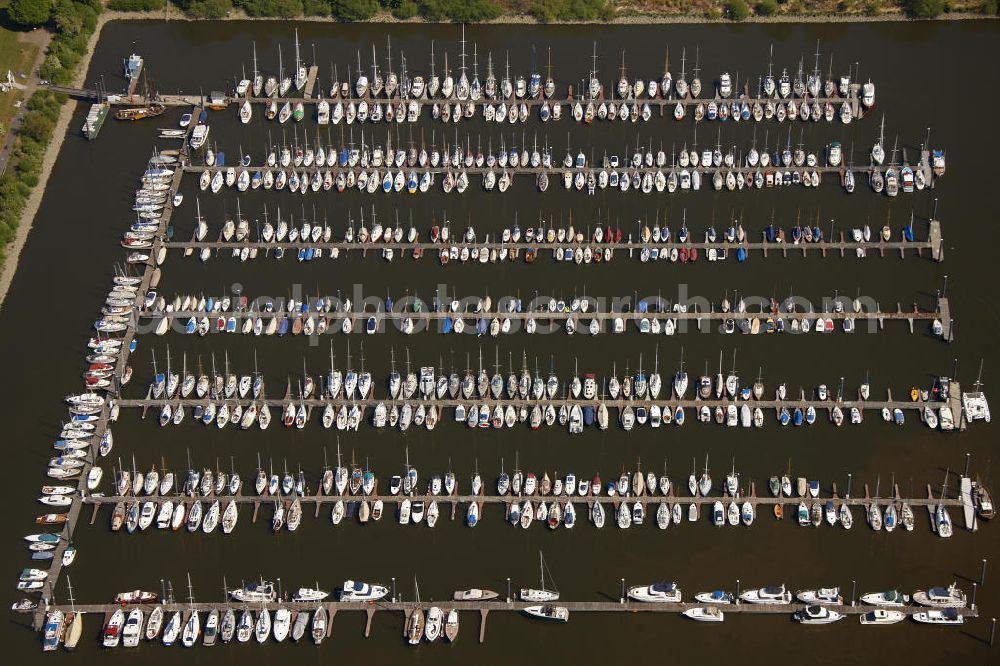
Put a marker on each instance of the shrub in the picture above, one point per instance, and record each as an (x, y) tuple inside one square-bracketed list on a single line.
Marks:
[(136, 5), (353, 10), (925, 8), (315, 7), (209, 8), (766, 7), (280, 8), (571, 10), (736, 10), (462, 11), (29, 12), (404, 9)]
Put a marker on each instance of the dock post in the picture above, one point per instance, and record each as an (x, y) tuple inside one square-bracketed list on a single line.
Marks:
[(982, 575), (621, 599), (393, 589)]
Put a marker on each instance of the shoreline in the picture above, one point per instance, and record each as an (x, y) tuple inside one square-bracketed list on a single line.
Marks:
[(171, 13), (59, 134)]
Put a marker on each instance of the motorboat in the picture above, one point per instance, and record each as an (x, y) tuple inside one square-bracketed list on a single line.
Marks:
[(941, 597), (656, 593), (767, 595), (705, 614), (360, 591), (818, 615), (548, 612)]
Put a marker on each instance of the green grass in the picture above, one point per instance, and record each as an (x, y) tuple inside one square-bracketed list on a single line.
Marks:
[(16, 54)]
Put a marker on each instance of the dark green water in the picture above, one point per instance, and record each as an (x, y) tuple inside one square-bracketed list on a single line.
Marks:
[(66, 265)]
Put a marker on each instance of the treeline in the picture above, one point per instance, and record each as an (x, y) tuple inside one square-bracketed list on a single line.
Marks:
[(40, 12), (464, 11)]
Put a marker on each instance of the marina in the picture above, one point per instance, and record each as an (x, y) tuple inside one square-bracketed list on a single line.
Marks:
[(629, 414)]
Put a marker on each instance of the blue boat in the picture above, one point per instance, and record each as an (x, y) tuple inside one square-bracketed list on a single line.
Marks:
[(797, 418), (343, 157), (283, 325), (908, 233), (481, 327), (447, 325), (192, 326), (371, 326), (679, 415), (202, 117), (220, 159), (588, 415), (301, 254), (784, 417), (310, 253), (741, 254)]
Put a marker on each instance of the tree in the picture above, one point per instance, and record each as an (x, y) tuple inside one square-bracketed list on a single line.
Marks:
[(29, 13)]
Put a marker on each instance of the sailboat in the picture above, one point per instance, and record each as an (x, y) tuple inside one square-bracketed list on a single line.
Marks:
[(541, 594)]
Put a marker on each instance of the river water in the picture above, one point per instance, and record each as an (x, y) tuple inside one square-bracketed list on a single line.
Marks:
[(928, 75)]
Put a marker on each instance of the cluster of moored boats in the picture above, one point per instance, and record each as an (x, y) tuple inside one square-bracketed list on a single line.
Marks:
[(201, 315), (396, 169), (310, 240), (255, 612), (209, 499), (390, 96), (151, 199), (418, 398)]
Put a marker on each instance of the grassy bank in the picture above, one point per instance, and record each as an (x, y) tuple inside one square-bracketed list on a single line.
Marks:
[(17, 53), (71, 24)]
